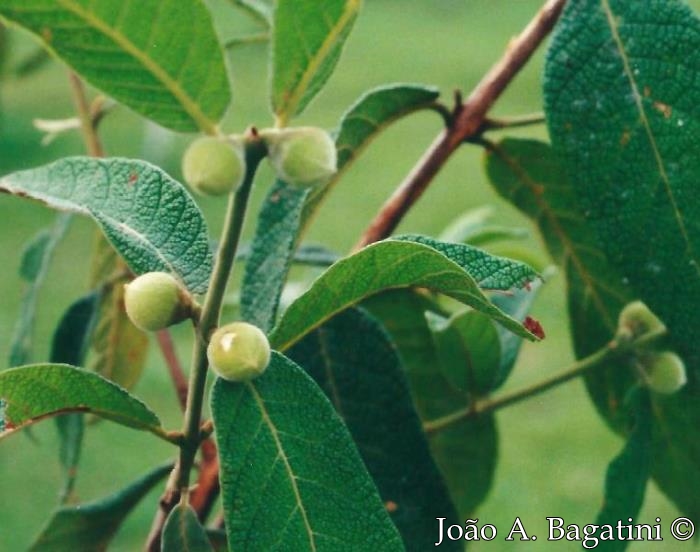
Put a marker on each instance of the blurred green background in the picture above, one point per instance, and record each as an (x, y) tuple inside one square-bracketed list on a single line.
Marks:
[(553, 449)]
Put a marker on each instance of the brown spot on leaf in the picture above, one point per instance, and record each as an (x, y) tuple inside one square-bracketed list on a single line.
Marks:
[(133, 178), (625, 138), (647, 91), (391, 506), (663, 108), (46, 34)]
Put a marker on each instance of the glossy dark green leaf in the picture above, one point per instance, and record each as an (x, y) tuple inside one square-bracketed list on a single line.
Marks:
[(357, 366), (183, 532), (32, 393), (125, 197), (529, 175), (620, 96), (398, 264), (33, 269), (271, 253), (162, 59), (291, 476), (364, 121), (70, 343), (467, 451), (628, 473), (308, 38), (90, 527)]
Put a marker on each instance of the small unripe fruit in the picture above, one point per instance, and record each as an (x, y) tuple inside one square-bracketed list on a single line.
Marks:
[(665, 372), (239, 351), (636, 319), (155, 301), (301, 156), (214, 167)]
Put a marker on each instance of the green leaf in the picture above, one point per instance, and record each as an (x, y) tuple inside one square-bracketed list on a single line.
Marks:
[(119, 348), (628, 473), (308, 39), (183, 532), (467, 451), (291, 476), (365, 119), (162, 59), (31, 393), (90, 527), (33, 269), (530, 175), (125, 197), (468, 351), (70, 342), (397, 264), (258, 9), (354, 362), (620, 95), (475, 229), (271, 253)]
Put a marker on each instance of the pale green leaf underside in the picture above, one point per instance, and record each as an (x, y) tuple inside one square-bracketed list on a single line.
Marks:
[(29, 394), (183, 532), (90, 527), (291, 476), (365, 119), (307, 41), (147, 216), (385, 265), (161, 58), (622, 96)]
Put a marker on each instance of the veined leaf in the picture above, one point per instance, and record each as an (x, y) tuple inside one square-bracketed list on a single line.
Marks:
[(90, 527), (119, 348), (34, 267), (291, 476), (32, 393), (271, 253), (147, 216), (467, 451), (620, 96), (308, 38), (628, 473), (357, 366), (365, 119), (399, 264), (530, 175), (162, 59), (183, 532)]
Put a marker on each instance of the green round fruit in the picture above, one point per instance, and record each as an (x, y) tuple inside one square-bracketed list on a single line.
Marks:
[(636, 319), (301, 156), (155, 301), (239, 351), (214, 167), (665, 372)]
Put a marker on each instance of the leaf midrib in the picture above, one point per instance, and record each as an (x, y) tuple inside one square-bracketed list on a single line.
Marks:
[(610, 17), (284, 112), (188, 104), (288, 468)]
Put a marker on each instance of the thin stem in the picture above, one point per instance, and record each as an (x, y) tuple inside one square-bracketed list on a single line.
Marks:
[(87, 120), (207, 323), (513, 122), (177, 374), (468, 122), (617, 348), (211, 311)]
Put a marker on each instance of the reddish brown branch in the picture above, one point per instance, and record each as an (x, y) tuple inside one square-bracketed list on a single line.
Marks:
[(177, 374), (204, 495), (468, 120)]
